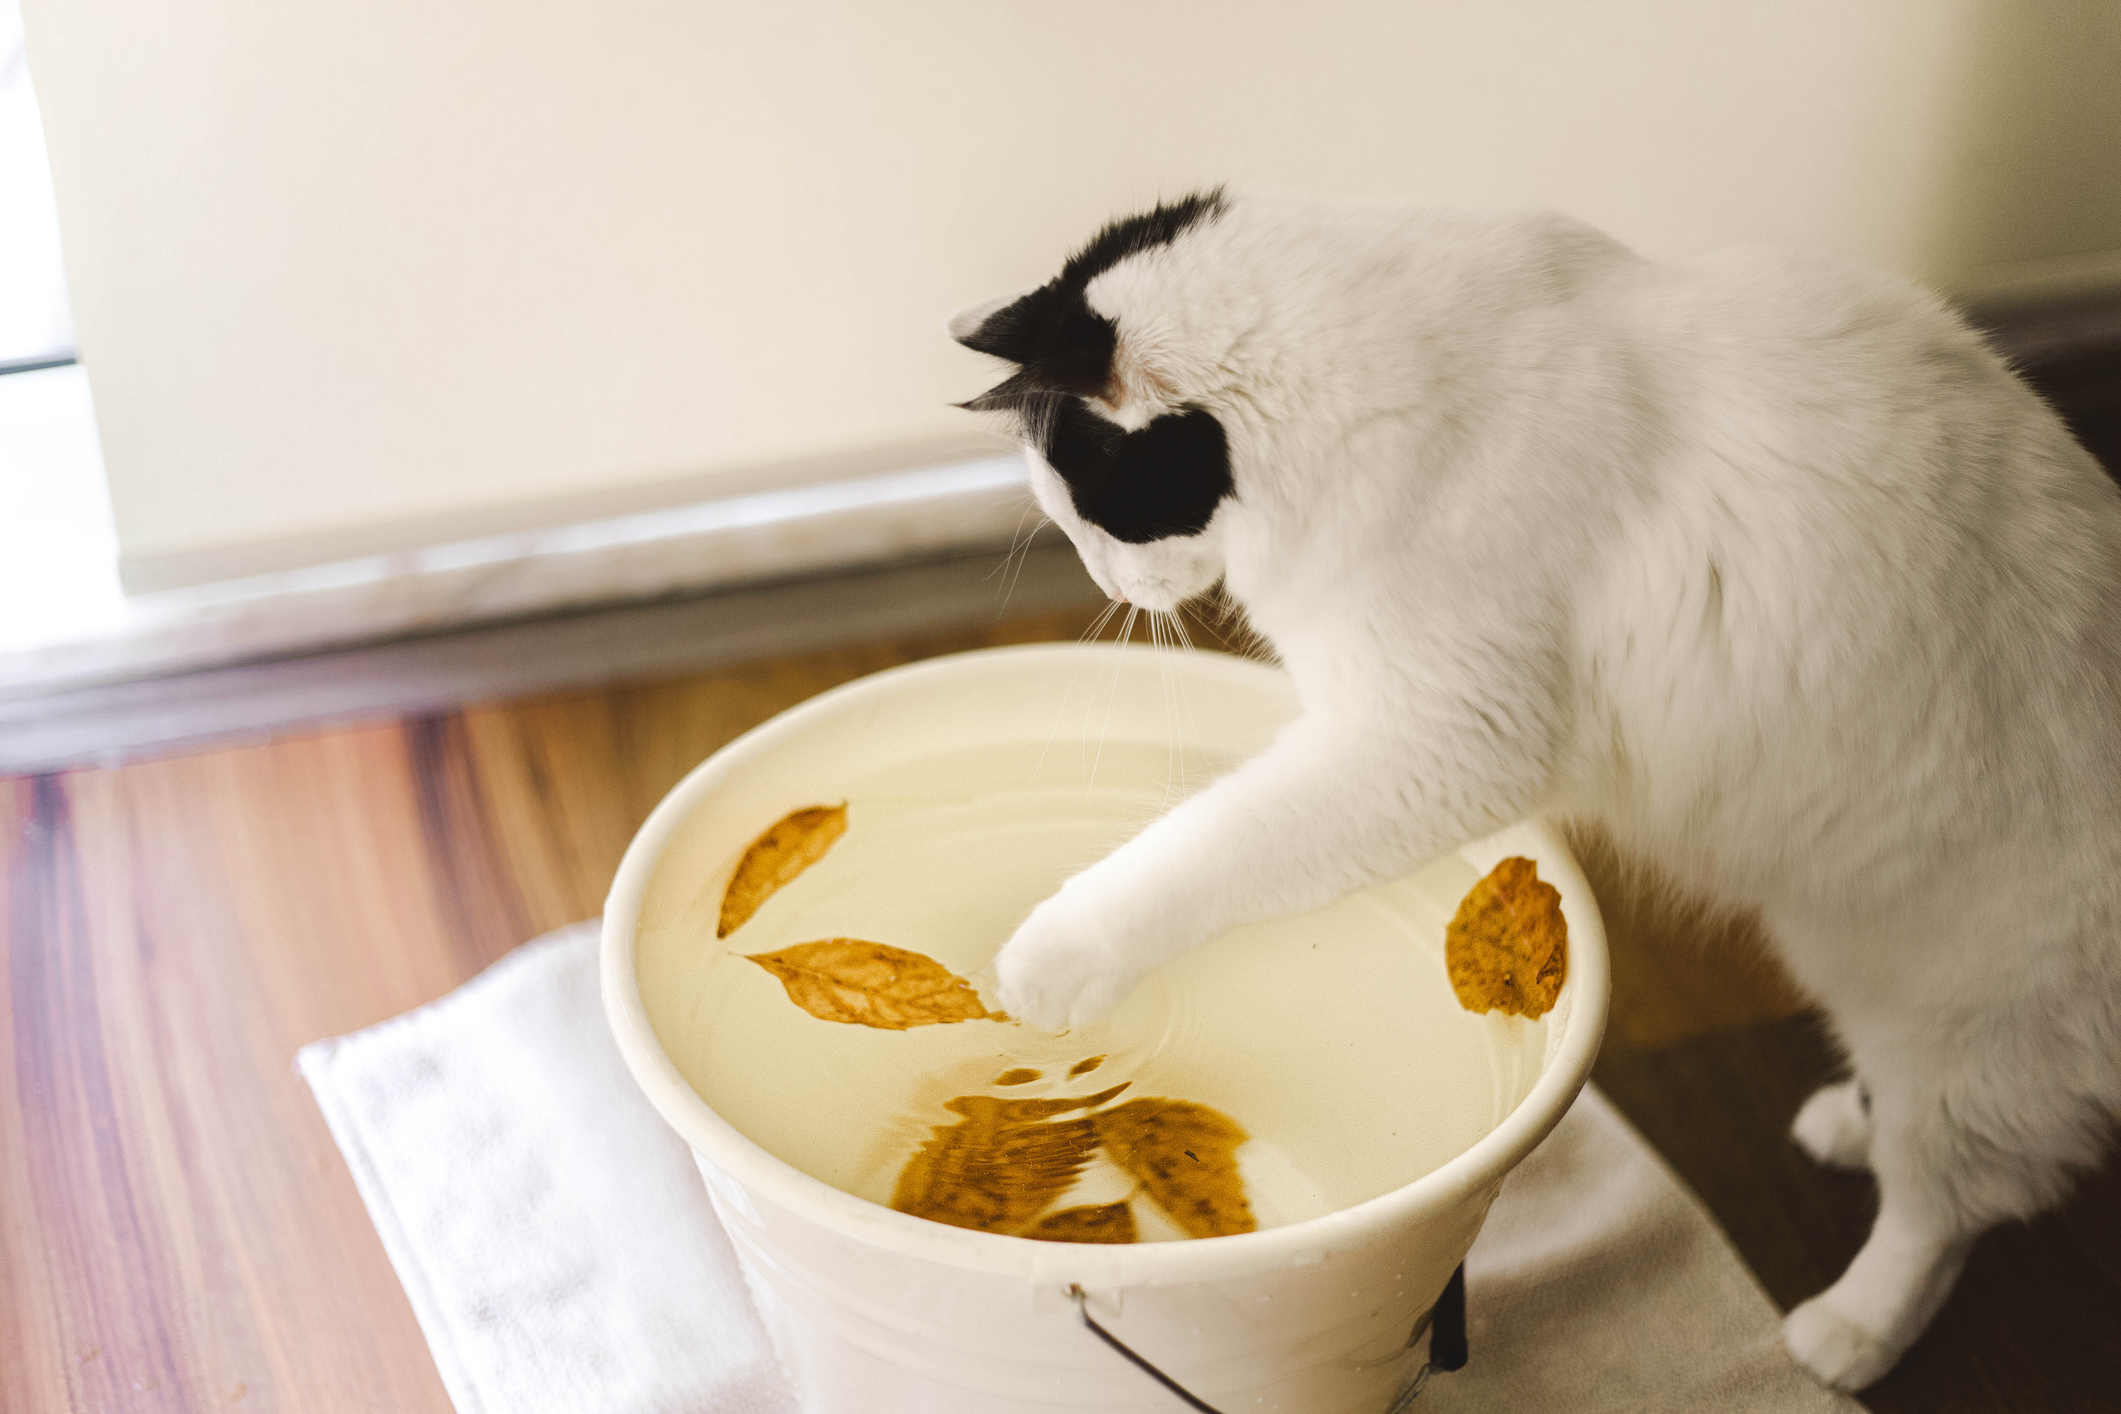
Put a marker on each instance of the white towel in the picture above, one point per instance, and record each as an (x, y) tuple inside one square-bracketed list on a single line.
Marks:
[(560, 1253)]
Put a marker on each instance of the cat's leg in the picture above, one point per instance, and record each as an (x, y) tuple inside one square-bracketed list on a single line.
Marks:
[(1834, 1127), (1332, 806), (1858, 1328), (1960, 1142)]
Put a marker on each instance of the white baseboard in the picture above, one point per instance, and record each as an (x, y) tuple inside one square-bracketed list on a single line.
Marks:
[(189, 567), (690, 550), (109, 722)]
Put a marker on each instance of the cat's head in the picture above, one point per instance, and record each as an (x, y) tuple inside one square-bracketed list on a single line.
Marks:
[(1124, 461)]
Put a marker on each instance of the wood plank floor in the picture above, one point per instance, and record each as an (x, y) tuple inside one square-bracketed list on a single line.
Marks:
[(177, 1231)]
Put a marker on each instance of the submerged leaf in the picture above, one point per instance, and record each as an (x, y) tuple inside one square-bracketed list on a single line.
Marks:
[(1185, 1156), (1022, 1075), (1001, 1164), (872, 984), (1085, 1066), (1101, 1222), (792, 844), (1507, 949)]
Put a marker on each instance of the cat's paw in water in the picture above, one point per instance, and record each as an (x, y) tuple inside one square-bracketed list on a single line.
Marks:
[(1834, 1127), (1059, 970)]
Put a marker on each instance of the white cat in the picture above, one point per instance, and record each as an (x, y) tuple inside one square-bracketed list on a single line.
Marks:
[(1762, 560)]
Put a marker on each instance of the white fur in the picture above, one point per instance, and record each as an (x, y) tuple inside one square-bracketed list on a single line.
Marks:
[(1834, 1127), (1763, 560)]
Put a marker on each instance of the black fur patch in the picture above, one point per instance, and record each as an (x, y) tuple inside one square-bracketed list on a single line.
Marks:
[(1063, 345), (1131, 235), (1165, 479)]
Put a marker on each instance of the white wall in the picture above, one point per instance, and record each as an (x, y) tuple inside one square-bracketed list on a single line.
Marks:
[(352, 274)]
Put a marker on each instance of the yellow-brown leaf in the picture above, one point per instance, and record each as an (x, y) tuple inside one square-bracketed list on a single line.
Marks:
[(796, 841), (1001, 1164), (872, 984), (1507, 949), (1102, 1222), (1185, 1156)]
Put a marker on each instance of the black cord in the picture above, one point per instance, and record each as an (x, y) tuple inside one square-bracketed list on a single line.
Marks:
[(1447, 1343), (1082, 1306), (1447, 1337)]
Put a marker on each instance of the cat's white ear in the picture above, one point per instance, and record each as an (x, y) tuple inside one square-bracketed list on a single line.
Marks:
[(964, 326)]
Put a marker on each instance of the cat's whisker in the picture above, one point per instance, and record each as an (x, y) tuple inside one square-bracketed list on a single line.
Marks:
[(1126, 634), (1015, 535), (1020, 551), (1096, 686), (1060, 713), (1097, 625), (1180, 614), (1178, 697), (1178, 623), (1023, 558), (1235, 629), (1163, 672)]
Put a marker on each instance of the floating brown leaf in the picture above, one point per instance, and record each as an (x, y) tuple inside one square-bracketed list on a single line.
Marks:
[(1185, 1156), (1022, 1075), (1507, 949), (1001, 1164), (1101, 1222), (796, 841), (873, 984), (1084, 1067)]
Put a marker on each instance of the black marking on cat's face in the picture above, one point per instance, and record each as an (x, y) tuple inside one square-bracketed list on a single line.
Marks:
[(1163, 479), (1063, 345)]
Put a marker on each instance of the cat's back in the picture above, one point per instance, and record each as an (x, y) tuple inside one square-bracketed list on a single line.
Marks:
[(1789, 331), (1860, 513), (1865, 555), (1859, 391)]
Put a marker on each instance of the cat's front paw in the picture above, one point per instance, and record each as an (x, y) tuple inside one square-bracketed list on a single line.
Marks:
[(1837, 1350), (1060, 969)]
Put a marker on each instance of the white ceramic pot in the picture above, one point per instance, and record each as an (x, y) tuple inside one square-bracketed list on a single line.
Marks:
[(875, 1311)]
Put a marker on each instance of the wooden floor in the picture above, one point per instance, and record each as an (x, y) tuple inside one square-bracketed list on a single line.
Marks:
[(177, 1231)]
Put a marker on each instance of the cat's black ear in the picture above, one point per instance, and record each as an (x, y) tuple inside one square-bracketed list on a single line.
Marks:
[(1015, 391), (1006, 327), (1060, 343)]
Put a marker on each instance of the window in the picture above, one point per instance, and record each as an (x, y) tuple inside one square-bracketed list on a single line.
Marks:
[(36, 327)]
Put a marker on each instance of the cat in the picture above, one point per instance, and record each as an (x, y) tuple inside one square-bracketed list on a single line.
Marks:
[(1762, 560)]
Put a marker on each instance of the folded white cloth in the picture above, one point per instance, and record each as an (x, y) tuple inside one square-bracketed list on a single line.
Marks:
[(560, 1253), (551, 1231)]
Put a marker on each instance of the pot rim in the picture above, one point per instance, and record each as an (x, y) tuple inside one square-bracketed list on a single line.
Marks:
[(718, 1142)]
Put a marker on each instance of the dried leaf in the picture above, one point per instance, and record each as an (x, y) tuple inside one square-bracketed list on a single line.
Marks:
[(1020, 1076), (872, 984), (794, 843), (1185, 1156), (1001, 1164), (1102, 1222), (1507, 949), (1084, 1067)]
